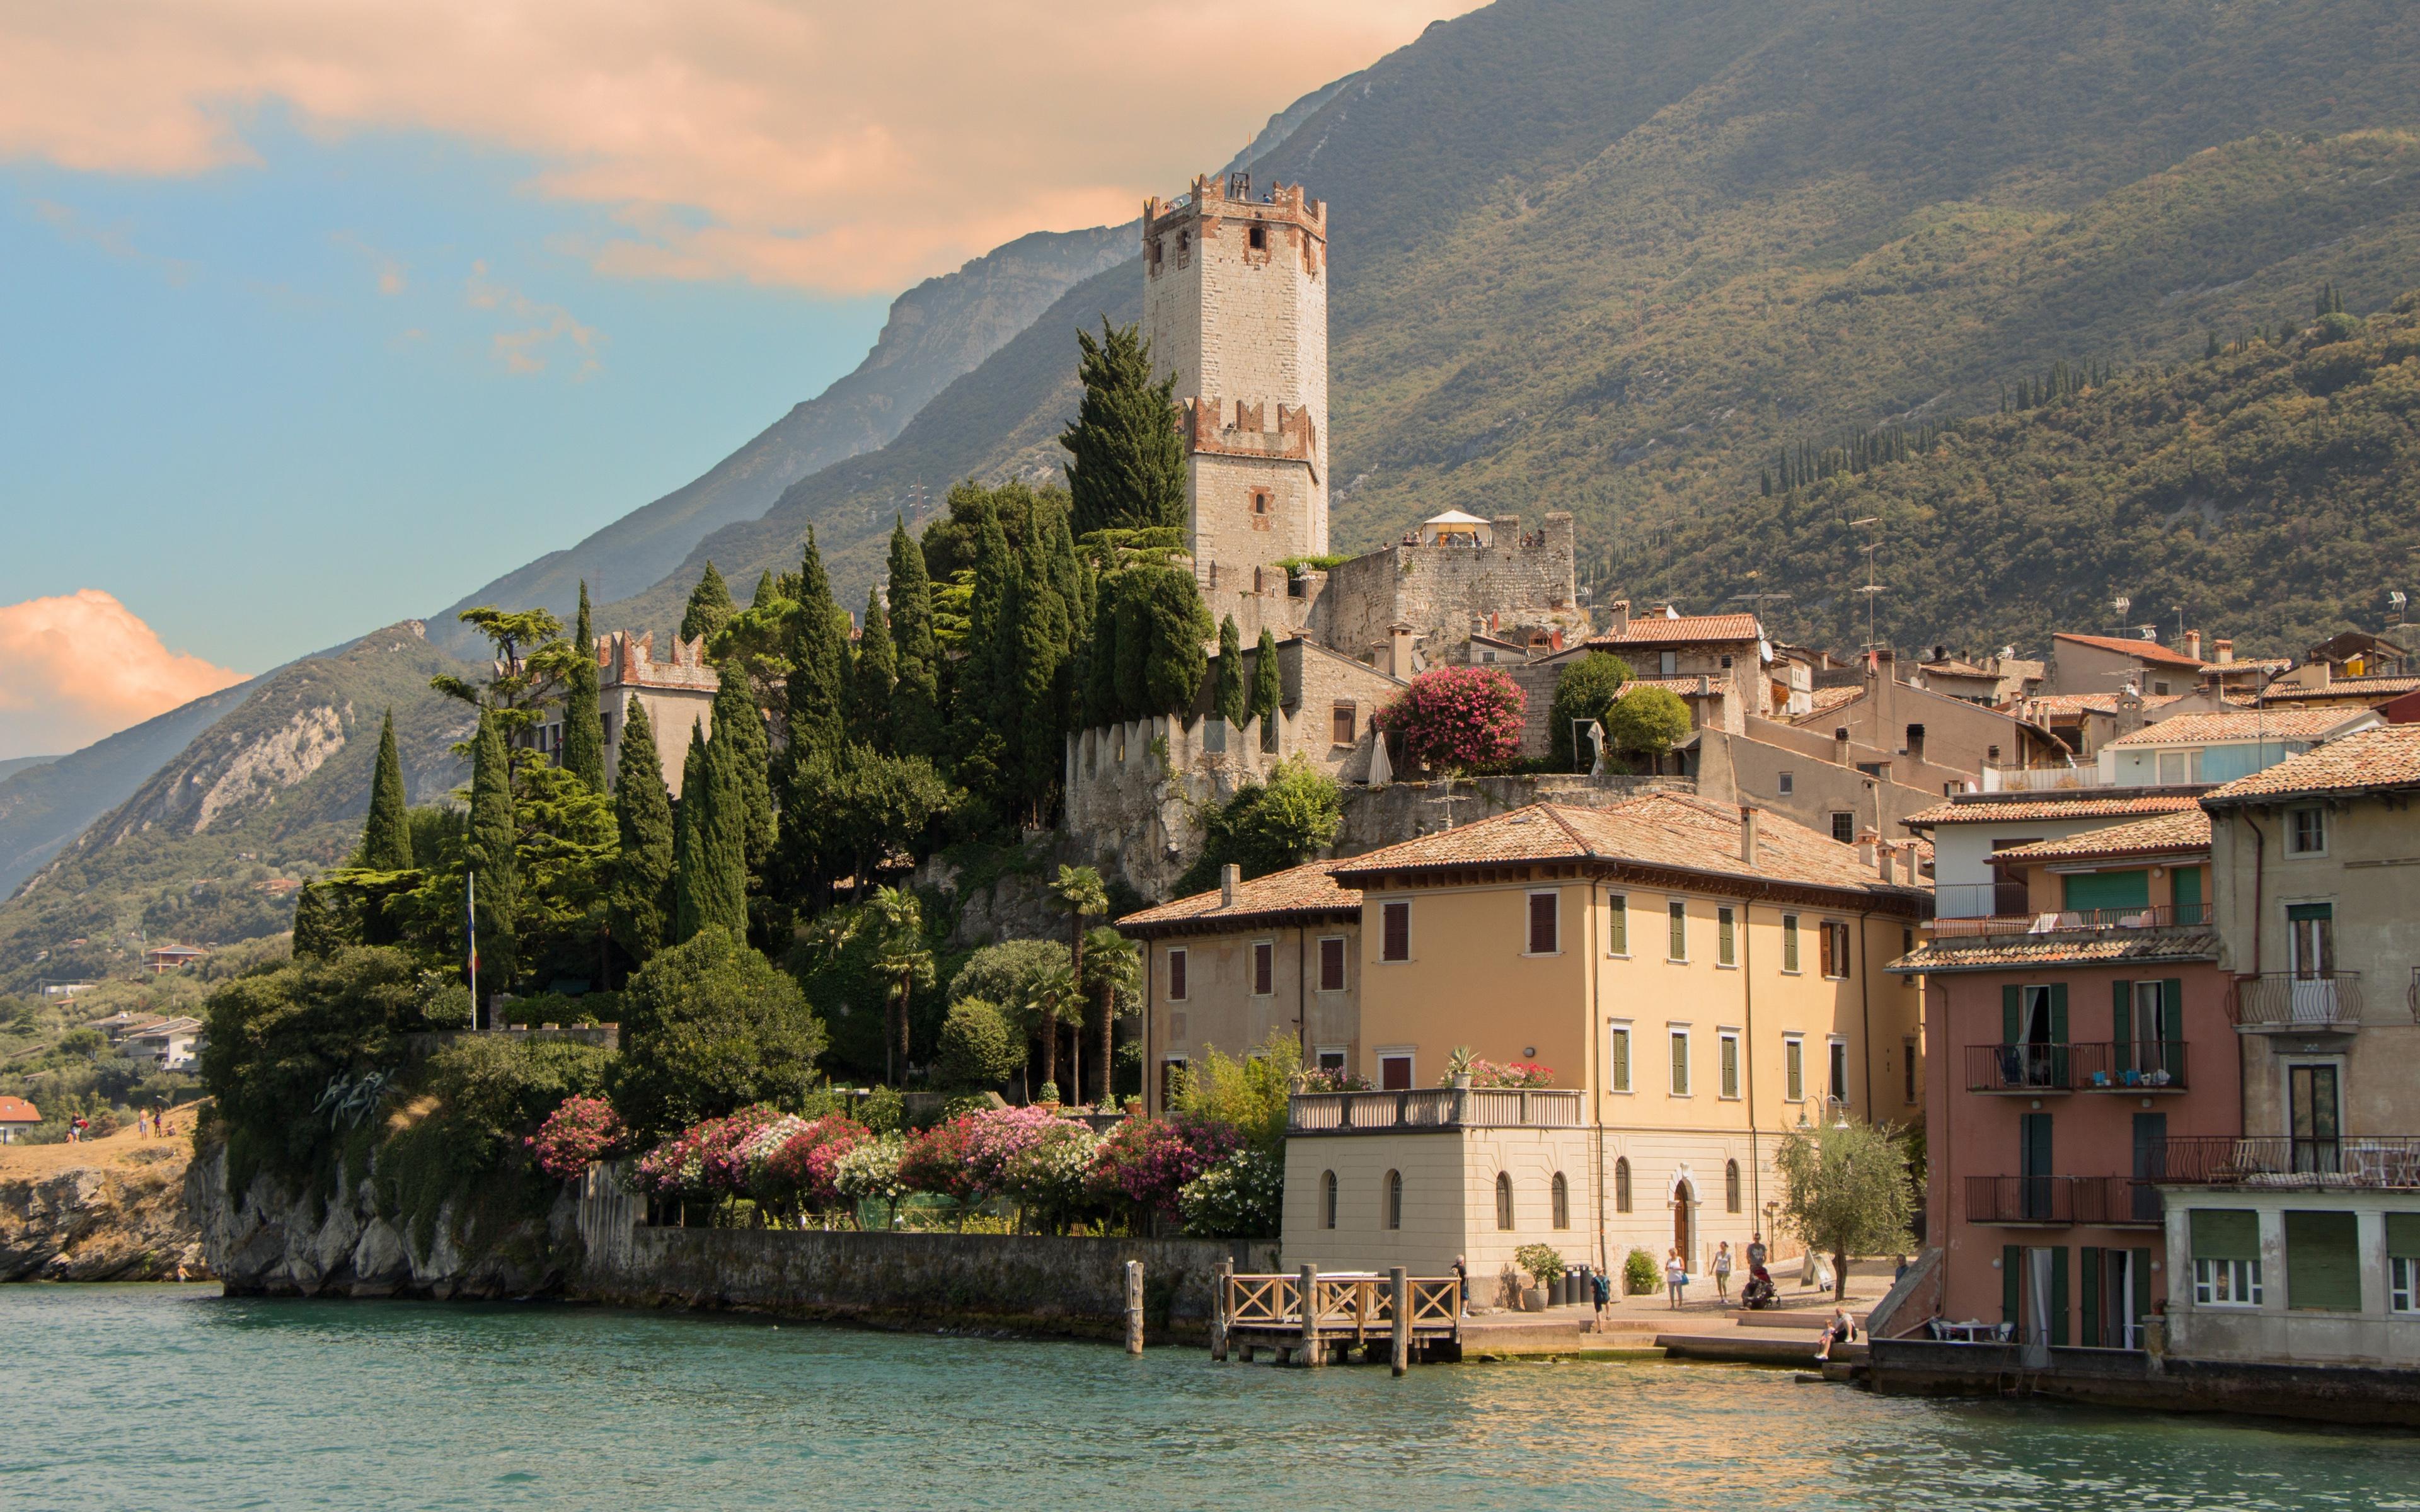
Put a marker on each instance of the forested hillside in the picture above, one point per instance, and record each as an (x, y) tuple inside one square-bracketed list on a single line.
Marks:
[(1610, 256), (2265, 491)]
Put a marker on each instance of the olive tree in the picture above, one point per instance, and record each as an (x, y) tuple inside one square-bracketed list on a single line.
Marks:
[(1845, 1190)]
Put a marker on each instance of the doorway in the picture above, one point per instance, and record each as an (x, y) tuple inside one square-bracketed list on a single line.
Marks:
[(1684, 1205), (2311, 1100)]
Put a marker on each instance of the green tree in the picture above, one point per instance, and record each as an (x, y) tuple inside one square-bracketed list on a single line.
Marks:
[(1161, 627), (1229, 698), (709, 867), (1112, 983), (1126, 466), (492, 855), (906, 962), (819, 660), (709, 607), (977, 1048), (739, 725), (386, 837), (873, 678), (1584, 691), (916, 696), (277, 1040), (1032, 678), (1049, 997), (1646, 722), (1845, 1191), (642, 910), (1269, 685), (1081, 889), (709, 1027), (583, 723), (531, 659), (1268, 826), (322, 924)]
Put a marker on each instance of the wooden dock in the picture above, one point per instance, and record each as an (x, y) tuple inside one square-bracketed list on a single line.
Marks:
[(1406, 1316)]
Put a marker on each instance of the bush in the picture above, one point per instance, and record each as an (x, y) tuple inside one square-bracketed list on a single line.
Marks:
[(1640, 1274), (1647, 722), (1540, 1260), (582, 1131), (804, 1171), (711, 1026), (498, 1088), (1247, 1096), (870, 1171), (1585, 690), (977, 1048), (1243, 1196), (1268, 826), (1458, 719), (1145, 1164)]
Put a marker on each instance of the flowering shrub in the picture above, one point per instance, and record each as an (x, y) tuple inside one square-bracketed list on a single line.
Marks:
[(1458, 718), (994, 1138), (1519, 1073), (1049, 1173), (869, 1170), (707, 1159), (1243, 1196), (1332, 1079), (1146, 1163), (582, 1130), (935, 1161), (802, 1170)]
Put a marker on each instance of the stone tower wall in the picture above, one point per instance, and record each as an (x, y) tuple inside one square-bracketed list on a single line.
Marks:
[(1439, 590)]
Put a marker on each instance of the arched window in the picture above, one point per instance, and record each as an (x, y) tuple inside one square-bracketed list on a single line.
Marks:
[(1328, 1199), (1562, 1190), (1731, 1186), (1394, 1199), (1621, 1184), (1503, 1200)]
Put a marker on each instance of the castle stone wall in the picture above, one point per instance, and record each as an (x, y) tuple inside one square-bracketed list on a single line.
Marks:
[(1439, 590)]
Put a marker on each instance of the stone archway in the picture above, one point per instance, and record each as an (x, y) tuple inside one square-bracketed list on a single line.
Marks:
[(1684, 1221)]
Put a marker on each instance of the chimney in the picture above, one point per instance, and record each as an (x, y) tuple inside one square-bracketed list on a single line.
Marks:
[(1619, 612), (1841, 746), (2224, 651), (1747, 834), (1866, 844), (1399, 643), (1228, 875), (2193, 644), (1908, 859)]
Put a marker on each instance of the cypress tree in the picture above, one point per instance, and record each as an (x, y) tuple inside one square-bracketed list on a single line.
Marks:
[(643, 868), (819, 664), (386, 838), (489, 852), (916, 693), (709, 607), (981, 679), (871, 679), (718, 878), (583, 727), (687, 820), (1268, 684), (1127, 461), (1228, 700), (766, 591), (740, 728), (1038, 619)]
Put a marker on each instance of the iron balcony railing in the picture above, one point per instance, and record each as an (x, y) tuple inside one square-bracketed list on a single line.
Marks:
[(1434, 1108), (2061, 1201), (2077, 922), (2386, 1161), (2125, 1066), (2290, 1001)]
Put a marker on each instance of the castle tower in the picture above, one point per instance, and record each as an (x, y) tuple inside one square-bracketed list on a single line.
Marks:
[(1235, 303)]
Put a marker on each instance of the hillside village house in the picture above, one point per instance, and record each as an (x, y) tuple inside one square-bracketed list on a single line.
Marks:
[(16, 1114), (2069, 1043), (1699, 978), (1970, 833), (2102, 663), (2219, 747)]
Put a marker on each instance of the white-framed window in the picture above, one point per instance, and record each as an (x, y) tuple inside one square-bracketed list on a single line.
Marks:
[(1836, 948), (1617, 1058), (1178, 961), (2307, 831), (1727, 1057), (1793, 1069), (2403, 1283), (1676, 945), (2227, 1282), (1264, 967), (1394, 1070), (1545, 913), (1395, 931), (1330, 1056), (1616, 925), (1667, 664), (1726, 936), (1680, 1062), (1331, 962), (1789, 782), (1789, 944), (1836, 1054)]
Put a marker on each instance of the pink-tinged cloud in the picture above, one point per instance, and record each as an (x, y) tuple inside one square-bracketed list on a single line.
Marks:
[(828, 145), (79, 667)]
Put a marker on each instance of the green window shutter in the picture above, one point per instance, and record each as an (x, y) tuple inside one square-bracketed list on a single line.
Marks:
[(2172, 1010), (2306, 913), (2059, 1297), (2226, 1234), (2403, 1235), (2059, 1012), (2323, 1261), (2091, 1338), (2188, 891), (1618, 926), (2141, 1271), (2122, 1032), (2012, 1014), (2109, 889), (2013, 1265)]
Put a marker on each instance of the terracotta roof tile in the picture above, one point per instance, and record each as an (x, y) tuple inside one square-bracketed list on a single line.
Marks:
[(2383, 687), (2385, 757), (1989, 952), (1824, 701), (1660, 829), (2141, 650), (2088, 803), (2049, 703), (2276, 724), (17, 1110), (2187, 829), (1654, 629), (1302, 890)]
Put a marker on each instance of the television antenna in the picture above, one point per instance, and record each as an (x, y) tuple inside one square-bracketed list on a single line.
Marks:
[(1758, 596), (1872, 587), (2396, 601)]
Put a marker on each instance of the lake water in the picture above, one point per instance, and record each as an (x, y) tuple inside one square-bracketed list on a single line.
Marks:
[(130, 1398)]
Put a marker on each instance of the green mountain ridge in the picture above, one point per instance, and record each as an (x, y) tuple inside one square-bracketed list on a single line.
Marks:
[(1610, 258)]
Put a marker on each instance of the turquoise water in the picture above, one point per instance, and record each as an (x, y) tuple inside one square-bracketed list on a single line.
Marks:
[(139, 1397)]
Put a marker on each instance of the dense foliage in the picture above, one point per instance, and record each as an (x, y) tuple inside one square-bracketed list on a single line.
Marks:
[(1457, 720), (1585, 691), (1268, 826), (1845, 1190), (711, 1026)]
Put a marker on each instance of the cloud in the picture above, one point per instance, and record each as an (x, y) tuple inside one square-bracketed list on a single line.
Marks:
[(385, 267), (524, 350), (826, 145), (111, 242), (77, 668)]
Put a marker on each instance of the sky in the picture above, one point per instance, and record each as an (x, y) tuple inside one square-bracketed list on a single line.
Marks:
[(315, 317)]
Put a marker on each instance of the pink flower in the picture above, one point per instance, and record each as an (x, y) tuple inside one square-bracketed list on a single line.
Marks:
[(582, 1130), (1458, 718)]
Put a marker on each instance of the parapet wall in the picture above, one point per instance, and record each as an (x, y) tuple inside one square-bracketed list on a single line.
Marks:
[(1439, 590)]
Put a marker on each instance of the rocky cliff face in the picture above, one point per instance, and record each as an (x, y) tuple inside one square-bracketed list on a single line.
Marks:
[(127, 1220)]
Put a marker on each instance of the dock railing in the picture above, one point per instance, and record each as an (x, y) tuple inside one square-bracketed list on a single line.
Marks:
[(1348, 1309)]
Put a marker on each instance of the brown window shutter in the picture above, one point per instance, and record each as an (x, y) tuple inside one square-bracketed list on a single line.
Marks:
[(1331, 966), (1264, 967), (1541, 923), (1398, 922), (1176, 975)]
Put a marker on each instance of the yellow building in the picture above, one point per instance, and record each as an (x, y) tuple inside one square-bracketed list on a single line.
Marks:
[(1700, 979)]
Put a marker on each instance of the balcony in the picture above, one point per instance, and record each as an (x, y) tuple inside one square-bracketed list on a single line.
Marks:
[(2041, 779), (2290, 1002), (1430, 1110), (2035, 1069), (2372, 1162), (2077, 922), (2061, 1201)]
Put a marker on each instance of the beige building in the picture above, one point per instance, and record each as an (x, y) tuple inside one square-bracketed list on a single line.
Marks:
[(2103, 663), (1699, 978), (677, 693)]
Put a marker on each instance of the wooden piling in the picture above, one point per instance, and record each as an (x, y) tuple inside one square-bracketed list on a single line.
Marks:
[(1399, 1291), (1311, 1351), (1218, 1280), (1134, 1307)]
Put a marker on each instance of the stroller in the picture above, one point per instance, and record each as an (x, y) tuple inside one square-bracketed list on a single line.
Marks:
[(1759, 1291)]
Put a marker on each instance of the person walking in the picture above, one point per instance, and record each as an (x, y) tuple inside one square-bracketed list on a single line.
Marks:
[(1756, 1255), (1601, 1292), (1723, 1270), (1676, 1275)]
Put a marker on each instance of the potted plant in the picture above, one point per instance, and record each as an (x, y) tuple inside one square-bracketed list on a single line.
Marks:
[(1457, 1068), (1546, 1267)]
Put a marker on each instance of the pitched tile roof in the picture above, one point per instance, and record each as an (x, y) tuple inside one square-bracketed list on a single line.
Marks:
[(17, 1110), (2187, 829), (2043, 704), (1668, 830), (2276, 724), (1689, 629), (2383, 758), (2088, 803), (2105, 947), (2140, 650), (1306, 892), (2382, 688), (1824, 700)]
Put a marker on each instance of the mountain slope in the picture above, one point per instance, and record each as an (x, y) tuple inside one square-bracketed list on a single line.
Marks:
[(1609, 257), (275, 788), (937, 330)]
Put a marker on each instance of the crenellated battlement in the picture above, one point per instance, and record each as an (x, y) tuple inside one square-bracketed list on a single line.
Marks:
[(628, 660), (1240, 428)]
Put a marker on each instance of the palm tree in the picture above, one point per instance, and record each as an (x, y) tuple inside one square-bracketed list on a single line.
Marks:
[(1080, 888), (1112, 970), (905, 964), (1051, 994)]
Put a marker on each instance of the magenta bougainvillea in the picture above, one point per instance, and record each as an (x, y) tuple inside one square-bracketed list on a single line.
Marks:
[(1146, 1162), (582, 1130), (800, 1170), (1458, 719)]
